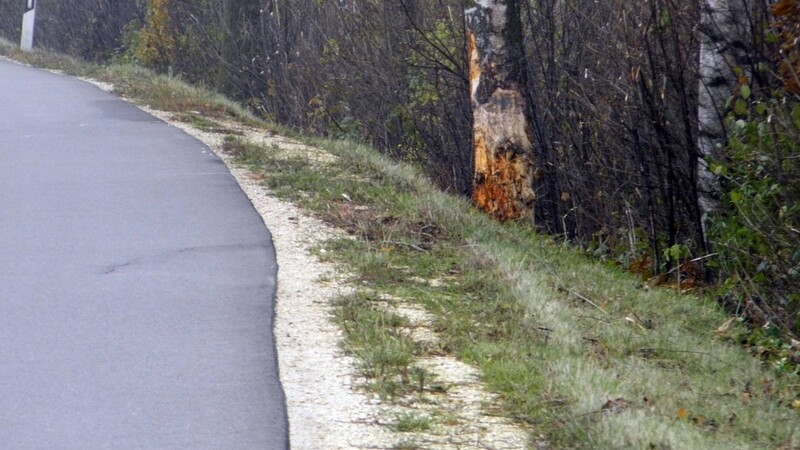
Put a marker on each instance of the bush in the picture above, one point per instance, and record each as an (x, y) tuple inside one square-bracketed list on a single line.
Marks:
[(758, 237)]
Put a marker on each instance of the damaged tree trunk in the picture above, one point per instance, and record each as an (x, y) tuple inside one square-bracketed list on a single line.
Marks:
[(502, 131)]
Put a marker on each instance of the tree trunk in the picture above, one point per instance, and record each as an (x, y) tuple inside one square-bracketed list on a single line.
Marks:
[(723, 46), (502, 130)]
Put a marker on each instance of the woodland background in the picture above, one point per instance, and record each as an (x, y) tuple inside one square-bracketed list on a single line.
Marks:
[(613, 87)]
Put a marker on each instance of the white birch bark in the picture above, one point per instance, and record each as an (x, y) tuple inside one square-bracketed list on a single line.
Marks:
[(724, 32)]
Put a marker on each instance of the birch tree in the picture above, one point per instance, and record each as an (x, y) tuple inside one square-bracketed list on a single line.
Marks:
[(723, 51), (502, 131)]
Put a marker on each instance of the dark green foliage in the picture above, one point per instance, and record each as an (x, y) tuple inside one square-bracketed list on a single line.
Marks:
[(758, 236)]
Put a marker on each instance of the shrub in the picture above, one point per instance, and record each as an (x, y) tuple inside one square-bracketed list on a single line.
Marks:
[(758, 237)]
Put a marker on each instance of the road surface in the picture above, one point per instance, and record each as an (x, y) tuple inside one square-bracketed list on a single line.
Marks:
[(136, 281)]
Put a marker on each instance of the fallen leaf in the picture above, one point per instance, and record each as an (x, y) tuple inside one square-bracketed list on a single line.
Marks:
[(615, 405), (682, 413), (725, 326)]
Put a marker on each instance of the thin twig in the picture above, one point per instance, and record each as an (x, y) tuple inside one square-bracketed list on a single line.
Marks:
[(700, 258), (585, 299), (406, 244)]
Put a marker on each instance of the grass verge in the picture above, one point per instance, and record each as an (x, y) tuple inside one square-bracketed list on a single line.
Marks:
[(582, 352)]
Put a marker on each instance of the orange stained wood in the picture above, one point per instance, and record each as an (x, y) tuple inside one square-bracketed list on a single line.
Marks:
[(501, 182)]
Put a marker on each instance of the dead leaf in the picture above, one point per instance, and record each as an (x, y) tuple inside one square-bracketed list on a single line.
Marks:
[(682, 413), (723, 329), (615, 405)]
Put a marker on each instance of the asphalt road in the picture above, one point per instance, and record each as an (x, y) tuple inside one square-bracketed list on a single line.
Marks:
[(137, 282)]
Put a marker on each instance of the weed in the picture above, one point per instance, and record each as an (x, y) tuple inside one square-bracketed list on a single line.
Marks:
[(204, 123), (409, 423), (385, 355)]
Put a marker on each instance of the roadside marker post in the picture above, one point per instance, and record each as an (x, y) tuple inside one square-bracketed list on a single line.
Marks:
[(28, 21)]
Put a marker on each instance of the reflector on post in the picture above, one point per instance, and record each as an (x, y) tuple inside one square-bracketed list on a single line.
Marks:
[(28, 20)]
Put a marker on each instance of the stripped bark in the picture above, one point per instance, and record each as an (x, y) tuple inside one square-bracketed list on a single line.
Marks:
[(502, 131), (723, 48)]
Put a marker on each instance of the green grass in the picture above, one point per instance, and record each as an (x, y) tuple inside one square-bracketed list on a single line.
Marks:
[(410, 423), (385, 355), (582, 352), (203, 123)]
